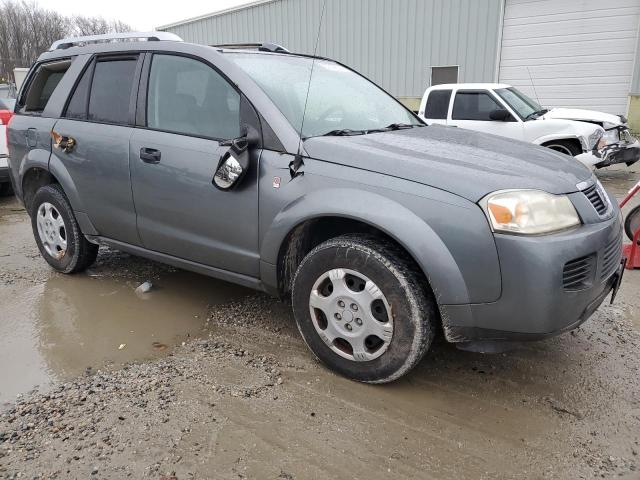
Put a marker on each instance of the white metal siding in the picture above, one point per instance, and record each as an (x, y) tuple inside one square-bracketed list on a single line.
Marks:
[(393, 42), (580, 53)]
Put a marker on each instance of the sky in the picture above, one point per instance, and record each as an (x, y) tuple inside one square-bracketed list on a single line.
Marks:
[(142, 15)]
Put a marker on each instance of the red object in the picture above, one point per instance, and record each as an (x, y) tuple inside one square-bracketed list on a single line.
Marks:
[(632, 250), (5, 116)]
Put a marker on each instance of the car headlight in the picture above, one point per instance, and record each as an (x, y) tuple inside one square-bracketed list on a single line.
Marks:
[(611, 136), (529, 212)]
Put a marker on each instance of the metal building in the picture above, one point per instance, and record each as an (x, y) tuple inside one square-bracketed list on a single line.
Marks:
[(570, 53)]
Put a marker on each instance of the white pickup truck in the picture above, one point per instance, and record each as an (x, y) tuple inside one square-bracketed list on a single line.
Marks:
[(595, 138)]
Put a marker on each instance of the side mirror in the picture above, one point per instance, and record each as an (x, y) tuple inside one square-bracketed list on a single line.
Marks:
[(233, 164), (500, 114)]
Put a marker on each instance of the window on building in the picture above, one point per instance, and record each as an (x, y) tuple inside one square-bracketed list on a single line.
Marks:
[(442, 75), (188, 96), (110, 97), (41, 87), (438, 104), (473, 106)]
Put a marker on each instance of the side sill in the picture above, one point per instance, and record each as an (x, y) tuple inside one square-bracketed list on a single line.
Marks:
[(227, 276)]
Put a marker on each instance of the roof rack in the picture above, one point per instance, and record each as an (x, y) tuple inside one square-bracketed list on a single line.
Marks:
[(263, 47), (114, 37)]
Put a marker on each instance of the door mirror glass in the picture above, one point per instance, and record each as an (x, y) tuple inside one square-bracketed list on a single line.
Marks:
[(500, 114), (233, 164)]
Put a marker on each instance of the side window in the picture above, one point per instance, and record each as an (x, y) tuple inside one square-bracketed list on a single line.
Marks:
[(77, 107), (110, 97), (42, 85), (188, 96), (473, 106), (438, 104)]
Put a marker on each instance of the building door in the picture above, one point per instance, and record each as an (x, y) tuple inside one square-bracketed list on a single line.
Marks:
[(571, 54)]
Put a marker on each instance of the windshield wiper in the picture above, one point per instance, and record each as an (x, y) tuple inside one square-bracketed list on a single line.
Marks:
[(402, 126), (343, 132), (537, 113)]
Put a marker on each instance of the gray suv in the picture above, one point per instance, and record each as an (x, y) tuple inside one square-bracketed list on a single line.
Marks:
[(299, 177)]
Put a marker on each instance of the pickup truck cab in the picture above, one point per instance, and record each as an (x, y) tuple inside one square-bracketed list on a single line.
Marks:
[(503, 110)]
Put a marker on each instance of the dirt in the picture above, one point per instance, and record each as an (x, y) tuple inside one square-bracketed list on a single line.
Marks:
[(202, 379)]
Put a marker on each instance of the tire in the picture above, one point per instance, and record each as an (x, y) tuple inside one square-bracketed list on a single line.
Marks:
[(406, 309), (57, 232), (567, 147), (632, 223)]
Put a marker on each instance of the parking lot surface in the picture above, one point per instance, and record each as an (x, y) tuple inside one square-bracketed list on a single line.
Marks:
[(202, 379)]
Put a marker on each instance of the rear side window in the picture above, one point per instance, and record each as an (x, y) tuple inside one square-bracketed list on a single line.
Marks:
[(438, 104), (189, 97), (473, 106), (42, 85), (110, 97)]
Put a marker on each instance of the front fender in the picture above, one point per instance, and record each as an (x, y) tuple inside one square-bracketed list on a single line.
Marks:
[(391, 217)]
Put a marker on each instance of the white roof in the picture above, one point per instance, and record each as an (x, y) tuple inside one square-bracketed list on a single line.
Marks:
[(473, 86)]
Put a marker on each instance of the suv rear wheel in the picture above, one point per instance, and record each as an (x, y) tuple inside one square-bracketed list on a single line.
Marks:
[(363, 309), (57, 232)]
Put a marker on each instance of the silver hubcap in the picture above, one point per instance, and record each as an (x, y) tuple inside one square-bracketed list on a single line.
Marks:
[(52, 230), (351, 315)]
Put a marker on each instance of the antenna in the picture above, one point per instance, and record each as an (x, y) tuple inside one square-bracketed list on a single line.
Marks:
[(297, 162), (533, 86)]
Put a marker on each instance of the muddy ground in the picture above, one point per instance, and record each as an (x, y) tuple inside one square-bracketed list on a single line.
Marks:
[(203, 379)]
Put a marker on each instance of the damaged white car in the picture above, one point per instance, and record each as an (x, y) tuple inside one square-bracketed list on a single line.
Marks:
[(596, 139)]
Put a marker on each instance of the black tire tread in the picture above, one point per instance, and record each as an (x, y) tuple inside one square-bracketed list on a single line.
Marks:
[(632, 216), (85, 253), (394, 258)]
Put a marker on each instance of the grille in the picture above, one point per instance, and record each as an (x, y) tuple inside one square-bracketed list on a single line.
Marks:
[(578, 273), (611, 256), (597, 198)]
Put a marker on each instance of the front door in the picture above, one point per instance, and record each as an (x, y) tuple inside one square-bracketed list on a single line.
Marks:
[(472, 110), (190, 109)]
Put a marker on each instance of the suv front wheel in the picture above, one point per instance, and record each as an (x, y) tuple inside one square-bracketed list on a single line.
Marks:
[(363, 309), (57, 232)]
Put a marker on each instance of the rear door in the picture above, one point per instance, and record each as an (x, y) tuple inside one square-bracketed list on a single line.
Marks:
[(99, 117), (188, 108), (472, 110)]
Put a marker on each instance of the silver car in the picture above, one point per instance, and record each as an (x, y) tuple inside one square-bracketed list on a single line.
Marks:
[(299, 177)]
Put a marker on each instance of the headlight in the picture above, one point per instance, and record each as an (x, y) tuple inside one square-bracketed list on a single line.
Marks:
[(529, 212), (611, 136)]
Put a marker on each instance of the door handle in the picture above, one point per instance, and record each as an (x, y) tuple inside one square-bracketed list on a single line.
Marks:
[(150, 155)]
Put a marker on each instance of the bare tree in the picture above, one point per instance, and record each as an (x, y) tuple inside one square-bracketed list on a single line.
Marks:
[(26, 30)]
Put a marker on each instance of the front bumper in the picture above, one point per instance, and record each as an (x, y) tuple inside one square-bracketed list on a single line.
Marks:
[(535, 301), (628, 153)]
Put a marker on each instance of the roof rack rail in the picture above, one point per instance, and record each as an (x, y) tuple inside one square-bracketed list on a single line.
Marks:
[(113, 37), (263, 47)]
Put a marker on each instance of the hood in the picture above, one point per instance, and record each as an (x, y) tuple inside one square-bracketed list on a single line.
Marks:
[(463, 162), (582, 115)]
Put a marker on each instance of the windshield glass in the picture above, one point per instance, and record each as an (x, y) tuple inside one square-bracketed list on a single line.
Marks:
[(339, 99), (518, 101)]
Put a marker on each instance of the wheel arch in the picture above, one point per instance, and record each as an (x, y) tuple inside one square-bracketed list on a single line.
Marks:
[(325, 214)]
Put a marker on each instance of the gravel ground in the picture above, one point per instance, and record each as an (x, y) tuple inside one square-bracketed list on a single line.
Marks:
[(242, 397)]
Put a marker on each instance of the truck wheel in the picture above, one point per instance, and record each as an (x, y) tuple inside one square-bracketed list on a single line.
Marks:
[(632, 223), (564, 146), (57, 233), (363, 309)]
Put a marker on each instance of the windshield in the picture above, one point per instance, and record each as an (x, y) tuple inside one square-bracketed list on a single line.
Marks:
[(340, 101), (518, 101)]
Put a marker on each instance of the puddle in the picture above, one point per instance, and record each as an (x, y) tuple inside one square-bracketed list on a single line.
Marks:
[(57, 329)]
